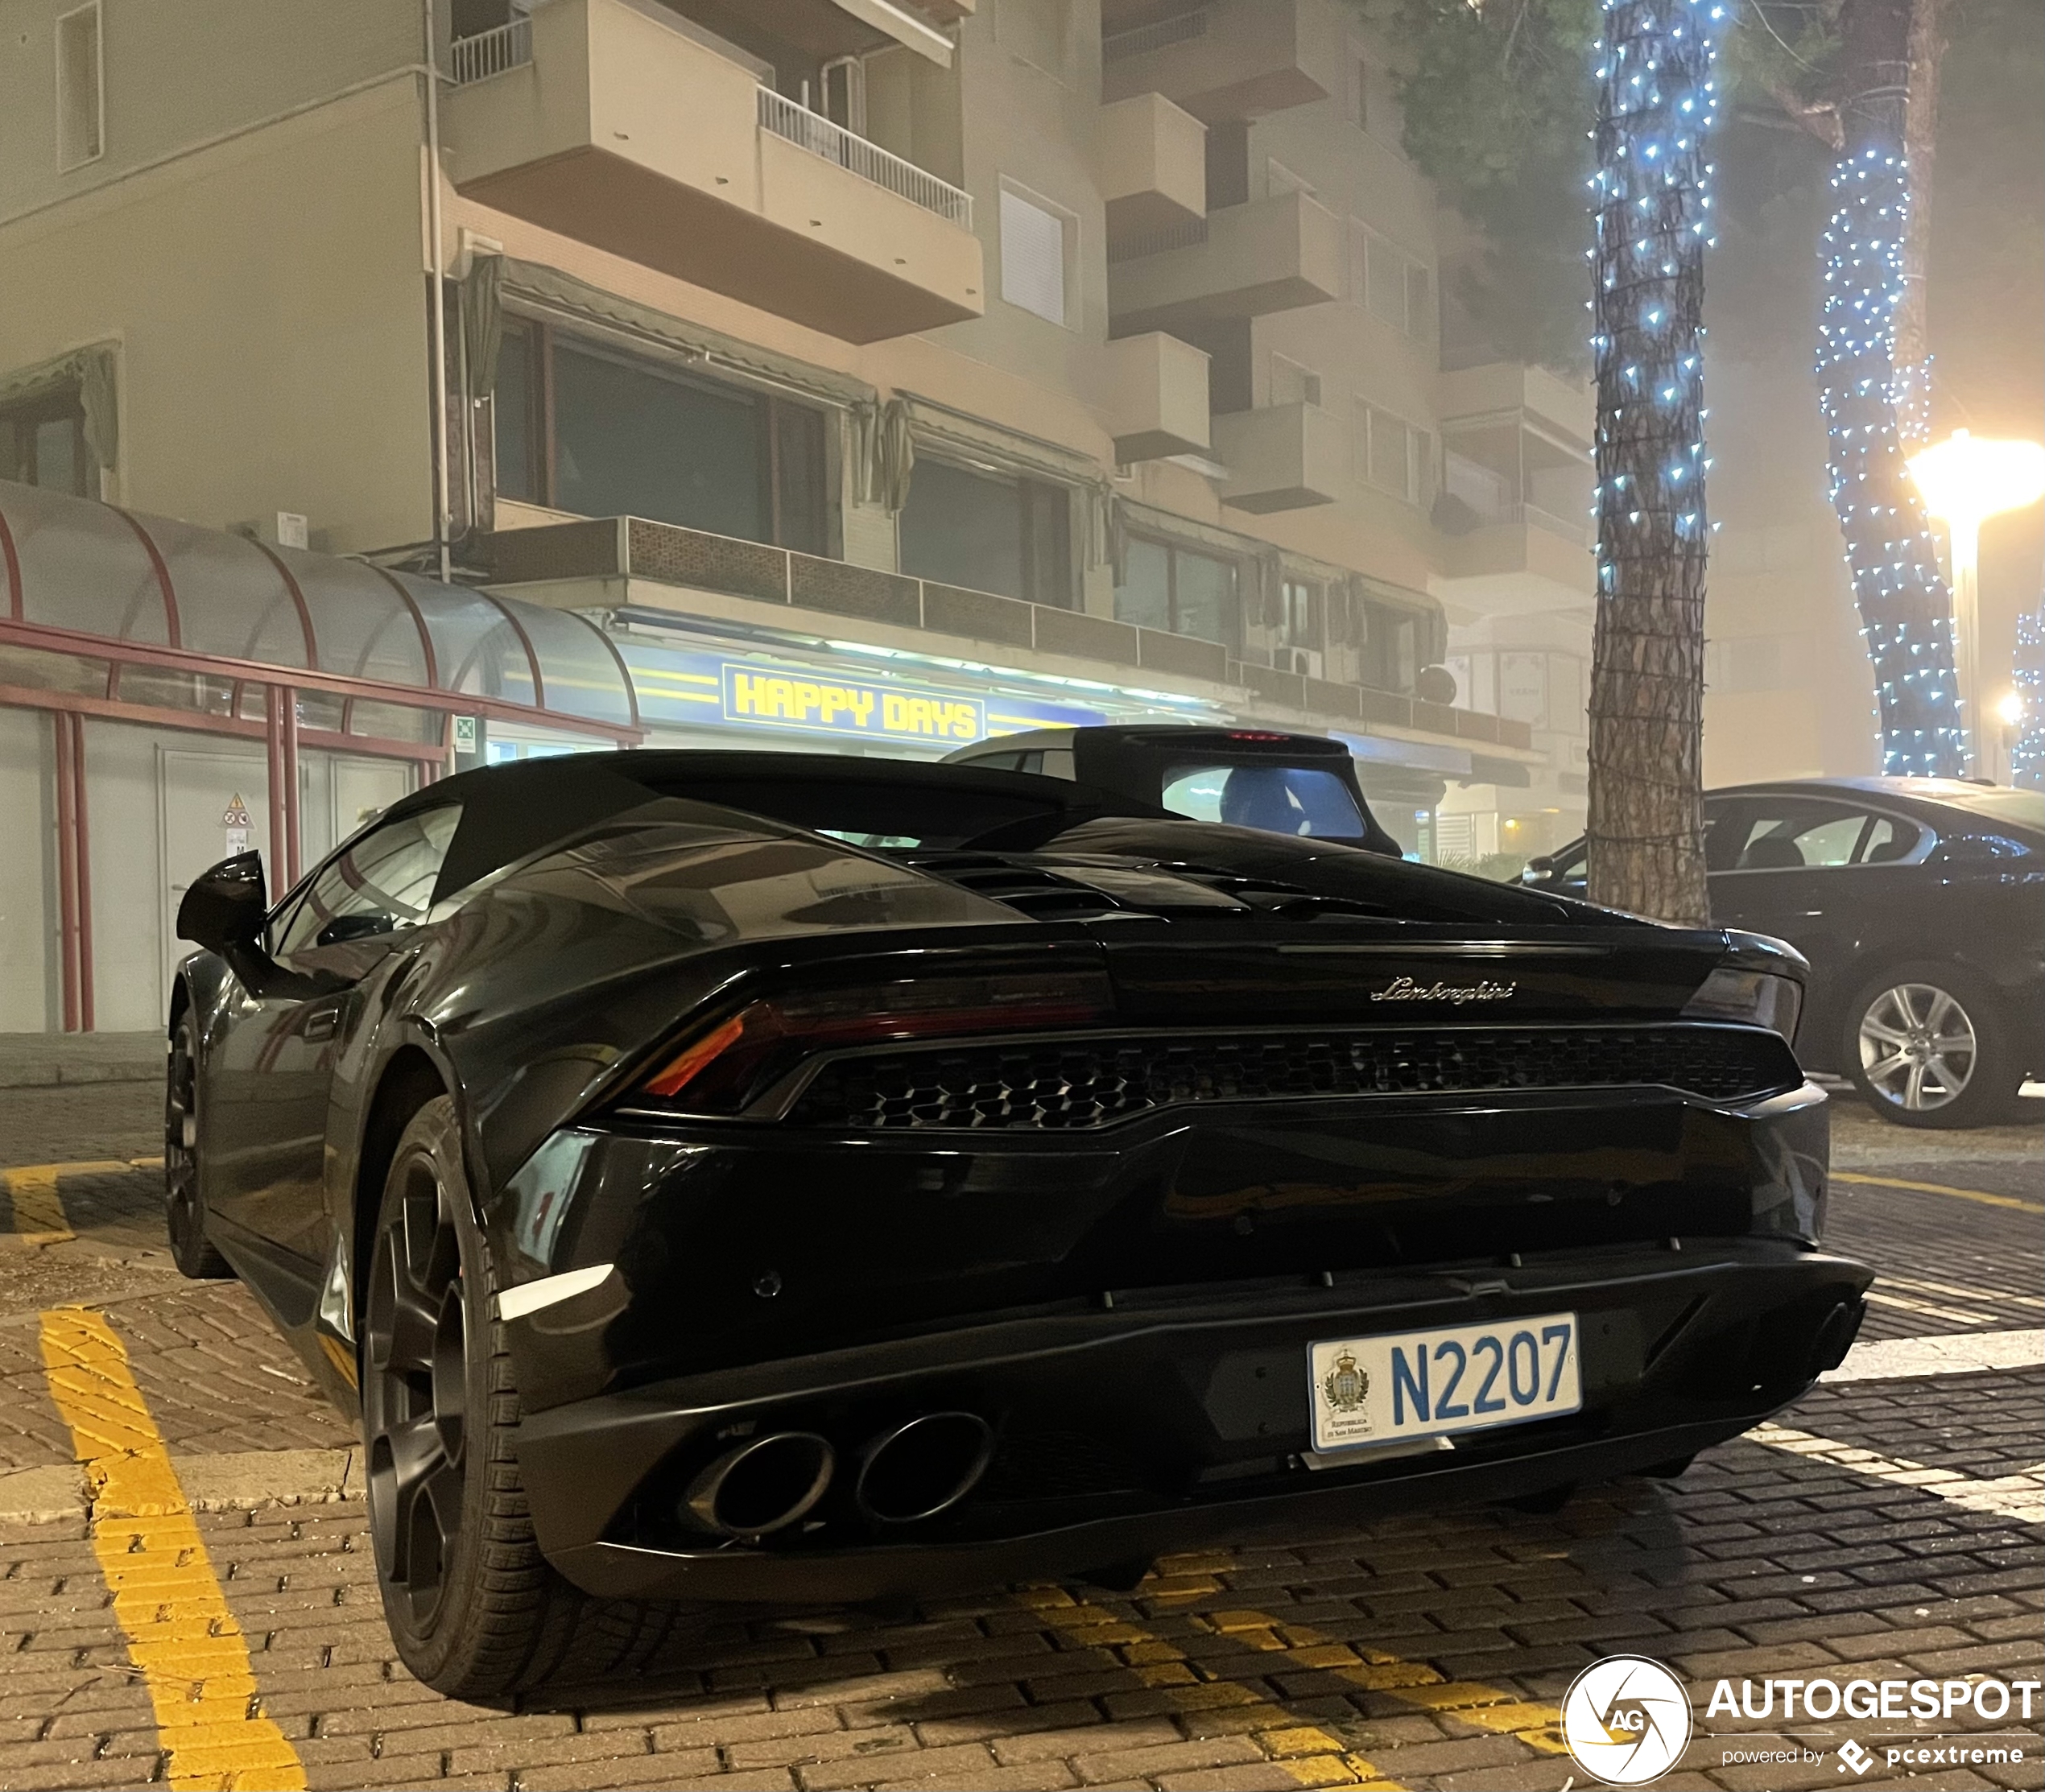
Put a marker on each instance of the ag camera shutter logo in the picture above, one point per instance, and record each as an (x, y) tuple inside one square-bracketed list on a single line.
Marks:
[(1625, 1720)]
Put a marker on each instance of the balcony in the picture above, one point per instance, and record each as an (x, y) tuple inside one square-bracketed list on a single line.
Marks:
[(1153, 166), (1520, 559), (623, 133), (1232, 61), (1503, 387), (1157, 397), (1282, 457), (1244, 261), (614, 563)]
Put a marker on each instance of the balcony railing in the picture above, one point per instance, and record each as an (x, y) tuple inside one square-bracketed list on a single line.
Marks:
[(493, 52), (1122, 45), (1185, 234), (810, 131), (663, 553)]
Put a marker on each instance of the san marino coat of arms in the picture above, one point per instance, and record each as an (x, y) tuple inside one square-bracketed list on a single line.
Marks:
[(1347, 1386)]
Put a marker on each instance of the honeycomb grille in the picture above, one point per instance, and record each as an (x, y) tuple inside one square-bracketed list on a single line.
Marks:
[(1078, 1084)]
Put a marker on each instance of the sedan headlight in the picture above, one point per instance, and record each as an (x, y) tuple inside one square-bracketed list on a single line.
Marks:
[(1752, 998)]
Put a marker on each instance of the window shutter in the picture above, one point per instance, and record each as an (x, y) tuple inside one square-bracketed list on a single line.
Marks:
[(1033, 257)]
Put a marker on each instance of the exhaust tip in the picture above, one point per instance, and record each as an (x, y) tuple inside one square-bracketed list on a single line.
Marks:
[(1835, 1335), (922, 1467), (760, 1486)]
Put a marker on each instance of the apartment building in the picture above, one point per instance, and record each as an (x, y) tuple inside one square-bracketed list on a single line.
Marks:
[(868, 376)]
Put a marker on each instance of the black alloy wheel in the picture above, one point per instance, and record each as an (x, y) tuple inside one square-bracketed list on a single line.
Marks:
[(475, 1608), (415, 1391), (185, 1206)]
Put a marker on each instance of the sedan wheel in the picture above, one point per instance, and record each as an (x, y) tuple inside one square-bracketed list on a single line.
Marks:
[(1918, 1046), (1924, 1046), (185, 1207)]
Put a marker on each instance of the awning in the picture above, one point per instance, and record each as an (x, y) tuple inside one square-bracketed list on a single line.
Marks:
[(210, 607)]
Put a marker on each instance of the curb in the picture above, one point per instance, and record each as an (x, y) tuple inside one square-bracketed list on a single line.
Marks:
[(234, 1481)]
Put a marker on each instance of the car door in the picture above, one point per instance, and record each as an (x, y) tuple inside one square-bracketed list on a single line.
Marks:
[(270, 1070), (1810, 870)]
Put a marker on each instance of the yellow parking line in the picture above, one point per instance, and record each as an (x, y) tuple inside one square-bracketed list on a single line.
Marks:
[(181, 1636), (1979, 1194), (1305, 1751), (1538, 1726), (37, 1207)]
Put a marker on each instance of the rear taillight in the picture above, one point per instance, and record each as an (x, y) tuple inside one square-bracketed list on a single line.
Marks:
[(720, 1065)]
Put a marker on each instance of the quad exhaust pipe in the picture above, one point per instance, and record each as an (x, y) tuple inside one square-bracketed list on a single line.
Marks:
[(922, 1466), (761, 1485), (908, 1472)]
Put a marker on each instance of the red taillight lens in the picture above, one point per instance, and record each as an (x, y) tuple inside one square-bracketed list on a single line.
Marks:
[(721, 1066)]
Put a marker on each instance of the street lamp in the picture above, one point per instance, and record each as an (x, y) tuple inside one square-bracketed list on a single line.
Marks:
[(1966, 479)]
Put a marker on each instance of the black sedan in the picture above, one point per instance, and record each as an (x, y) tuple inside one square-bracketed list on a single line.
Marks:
[(1920, 904), (780, 1179)]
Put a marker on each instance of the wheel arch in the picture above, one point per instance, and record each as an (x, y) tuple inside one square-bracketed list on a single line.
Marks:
[(409, 1080)]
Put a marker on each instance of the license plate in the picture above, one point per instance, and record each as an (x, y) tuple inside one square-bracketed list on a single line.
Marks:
[(1458, 1378)]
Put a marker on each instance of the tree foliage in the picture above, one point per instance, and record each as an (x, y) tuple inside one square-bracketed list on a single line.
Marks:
[(1498, 98)]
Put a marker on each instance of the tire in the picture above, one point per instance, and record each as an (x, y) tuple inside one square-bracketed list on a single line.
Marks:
[(1926, 1046), (476, 1611), (184, 1205)]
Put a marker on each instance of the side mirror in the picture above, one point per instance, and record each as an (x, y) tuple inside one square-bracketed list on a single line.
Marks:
[(225, 908), (1538, 871)]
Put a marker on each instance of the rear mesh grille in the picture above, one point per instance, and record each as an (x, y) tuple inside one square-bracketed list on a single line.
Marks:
[(1081, 1083)]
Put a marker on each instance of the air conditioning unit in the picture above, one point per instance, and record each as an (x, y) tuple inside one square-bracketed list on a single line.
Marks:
[(1305, 661)]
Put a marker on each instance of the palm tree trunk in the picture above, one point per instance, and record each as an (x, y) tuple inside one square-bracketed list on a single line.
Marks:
[(1646, 825)]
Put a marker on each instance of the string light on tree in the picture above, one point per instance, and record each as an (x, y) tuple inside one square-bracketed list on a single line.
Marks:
[(1651, 208), (1905, 612), (2027, 751)]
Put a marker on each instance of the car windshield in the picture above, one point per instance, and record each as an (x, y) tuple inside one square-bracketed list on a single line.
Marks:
[(2011, 808), (1273, 799)]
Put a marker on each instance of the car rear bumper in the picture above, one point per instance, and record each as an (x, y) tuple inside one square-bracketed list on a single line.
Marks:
[(1171, 1419)]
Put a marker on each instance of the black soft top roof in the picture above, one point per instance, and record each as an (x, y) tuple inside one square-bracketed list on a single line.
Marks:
[(511, 810)]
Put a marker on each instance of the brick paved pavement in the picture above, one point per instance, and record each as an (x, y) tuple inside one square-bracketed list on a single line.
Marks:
[(1423, 1652)]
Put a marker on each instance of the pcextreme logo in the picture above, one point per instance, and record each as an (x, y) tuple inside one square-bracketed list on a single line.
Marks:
[(1625, 1720)]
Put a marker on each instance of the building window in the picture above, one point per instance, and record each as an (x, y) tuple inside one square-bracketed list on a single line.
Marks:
[(1036, 245), (1180, 590), (82, 88), (580, 427), (1292, 382), (1389, 656), (1299, 614), (1394, 286), (988, 532), (43, 443), (1360, 92), (1393, 456)]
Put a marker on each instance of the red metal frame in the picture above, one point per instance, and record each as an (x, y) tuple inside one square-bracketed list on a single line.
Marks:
[(525, 641), (13, 561), (67, 873), (419, 622), (83, 853), (409, 696), (298, 599), (171, 620)]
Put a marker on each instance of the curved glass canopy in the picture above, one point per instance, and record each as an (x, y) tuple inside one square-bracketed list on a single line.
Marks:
[(68, 563)]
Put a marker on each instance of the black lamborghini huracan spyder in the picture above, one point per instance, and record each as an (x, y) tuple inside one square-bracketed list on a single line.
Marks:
[(778, 1179)]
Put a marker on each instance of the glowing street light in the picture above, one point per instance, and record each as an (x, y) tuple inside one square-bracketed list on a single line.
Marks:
[(1966, 479)]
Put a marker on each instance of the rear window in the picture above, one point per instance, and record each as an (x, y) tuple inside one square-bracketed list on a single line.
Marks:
[(2012, 808), (1273, 799), (887, 813)]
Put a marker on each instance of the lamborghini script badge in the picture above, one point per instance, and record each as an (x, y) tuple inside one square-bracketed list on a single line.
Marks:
[(1404, 988), (1345, 1385)]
